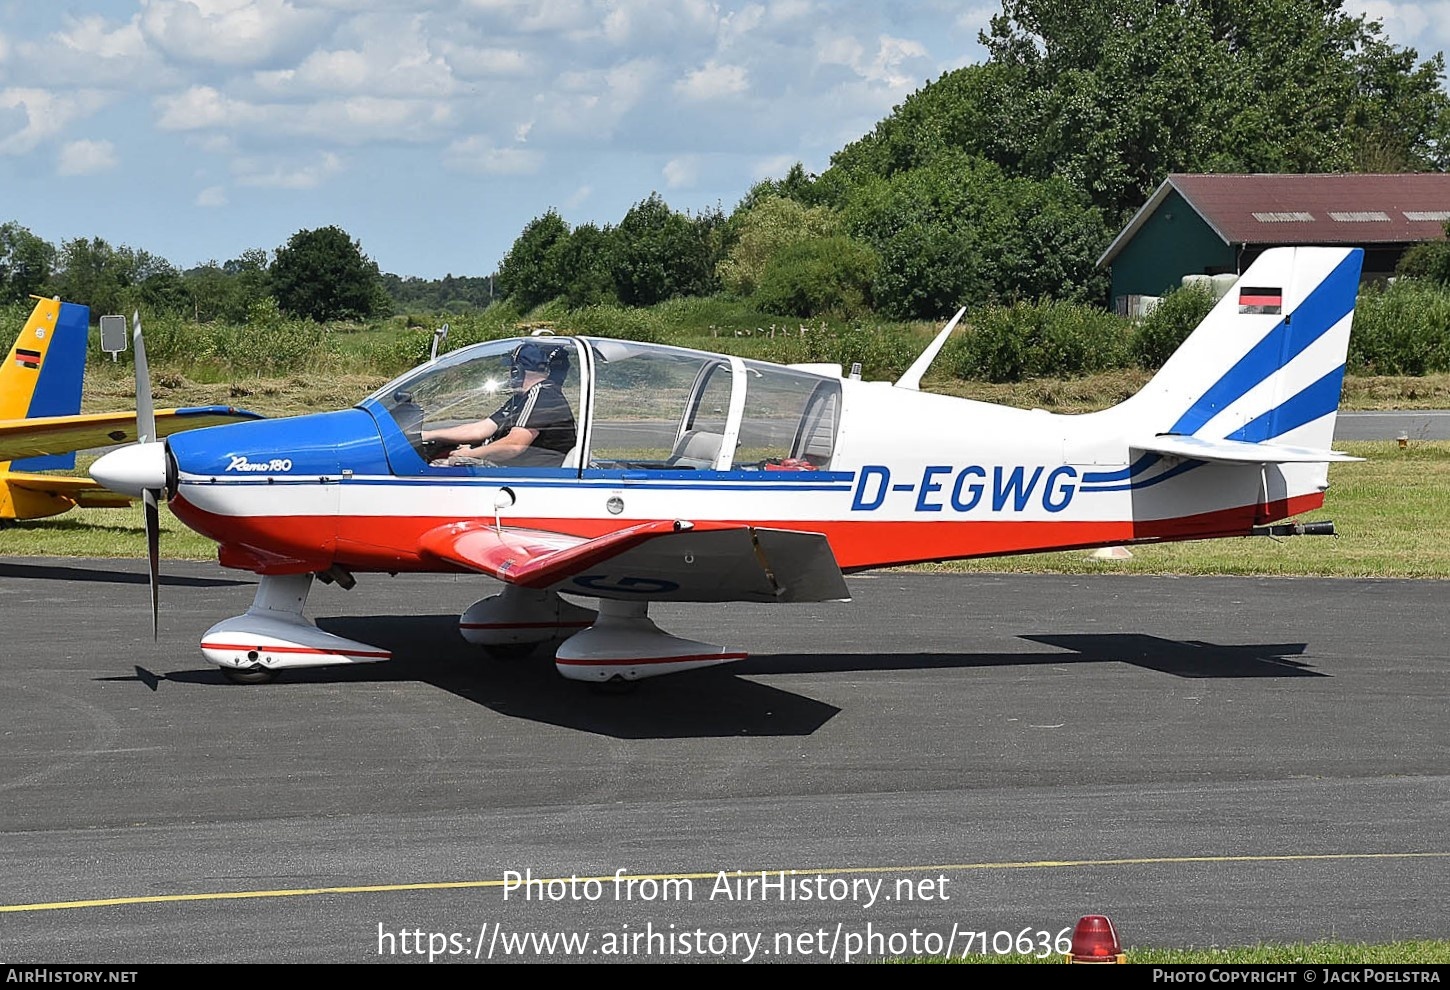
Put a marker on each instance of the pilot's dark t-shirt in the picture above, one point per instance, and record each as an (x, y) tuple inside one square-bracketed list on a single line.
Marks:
[(541, 408)]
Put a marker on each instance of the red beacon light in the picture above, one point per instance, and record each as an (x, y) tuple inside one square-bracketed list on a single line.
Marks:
[(1095, 940)]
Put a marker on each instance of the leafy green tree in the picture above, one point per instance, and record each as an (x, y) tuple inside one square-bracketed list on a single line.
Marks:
[(1113, 95), (26, 262), (322, 274), (228, 291), (116, 279), (661, 254), (817, 276), (958, 232), (585, 261), (529, 274), (762, 230)]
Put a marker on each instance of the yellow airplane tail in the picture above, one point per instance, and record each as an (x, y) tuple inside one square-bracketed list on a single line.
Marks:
[(42, 376)]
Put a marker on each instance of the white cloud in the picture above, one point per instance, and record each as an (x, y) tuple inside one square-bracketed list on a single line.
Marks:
[(394, 59), (567, 17), (773, 168), (95, 37), (713, 81), (578, 197), (885, 66), (682, 173), (86, 157), (230, 32), (212, 196), (478, 154), (45, 115), (4, 48), (286, 175), (201, 107), (1422, 26), (360, 119), (591, 102), (633, 21), (472, 62)]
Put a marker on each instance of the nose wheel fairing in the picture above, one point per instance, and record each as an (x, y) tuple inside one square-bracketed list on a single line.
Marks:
[(274, 634)]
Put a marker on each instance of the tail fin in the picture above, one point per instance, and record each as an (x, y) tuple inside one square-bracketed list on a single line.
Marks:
[(43, 373), (1267, 364)]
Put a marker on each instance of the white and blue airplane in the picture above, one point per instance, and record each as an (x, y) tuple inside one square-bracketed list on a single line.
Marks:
[(582, 470)]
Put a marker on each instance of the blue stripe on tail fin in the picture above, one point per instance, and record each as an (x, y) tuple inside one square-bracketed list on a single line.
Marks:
[(1324, 307), (58, 384)]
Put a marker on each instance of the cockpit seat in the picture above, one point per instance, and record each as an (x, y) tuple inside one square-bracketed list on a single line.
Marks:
[(696, 449)]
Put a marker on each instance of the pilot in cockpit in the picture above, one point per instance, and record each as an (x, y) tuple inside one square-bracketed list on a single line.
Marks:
[(533, 428)]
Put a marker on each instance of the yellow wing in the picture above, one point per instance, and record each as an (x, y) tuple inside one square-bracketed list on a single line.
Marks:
[(22, 438)]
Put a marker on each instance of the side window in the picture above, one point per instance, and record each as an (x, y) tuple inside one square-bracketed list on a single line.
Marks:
[(657, 408), (790, 419)]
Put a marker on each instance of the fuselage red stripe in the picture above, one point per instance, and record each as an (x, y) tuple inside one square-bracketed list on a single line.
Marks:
[(264, 648), (636, 661), (391, 543)]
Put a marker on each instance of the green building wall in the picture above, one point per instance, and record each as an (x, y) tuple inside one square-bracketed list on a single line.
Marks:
[(1173, 242)]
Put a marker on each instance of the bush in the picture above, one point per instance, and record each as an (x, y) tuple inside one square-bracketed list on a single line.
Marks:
[(823, 275), (1168, 325), (1401, 329), (1035, 340)]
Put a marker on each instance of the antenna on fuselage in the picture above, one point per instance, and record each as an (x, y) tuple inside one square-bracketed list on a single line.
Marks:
[(439, 336), (912, 378)]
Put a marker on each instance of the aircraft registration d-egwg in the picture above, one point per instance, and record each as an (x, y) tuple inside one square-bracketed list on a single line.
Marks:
[(691, 476), (42, 427)]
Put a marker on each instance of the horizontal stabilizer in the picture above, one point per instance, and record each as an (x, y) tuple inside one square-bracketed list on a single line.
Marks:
[(653, 561), (37, 436), (1238, 451)]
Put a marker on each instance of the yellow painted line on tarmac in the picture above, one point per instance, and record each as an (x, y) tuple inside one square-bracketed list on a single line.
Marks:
[(625, 878)]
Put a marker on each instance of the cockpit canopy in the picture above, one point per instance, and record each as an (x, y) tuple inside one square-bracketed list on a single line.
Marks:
[(635, 406)]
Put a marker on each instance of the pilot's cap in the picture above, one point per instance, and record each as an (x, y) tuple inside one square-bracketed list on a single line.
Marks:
[(548, 359)]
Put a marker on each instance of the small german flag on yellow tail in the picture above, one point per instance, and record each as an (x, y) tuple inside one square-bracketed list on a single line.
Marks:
[(27, 359)]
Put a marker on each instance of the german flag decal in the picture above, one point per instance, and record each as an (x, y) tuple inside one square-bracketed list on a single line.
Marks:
[(1270, 301), (27, 359)]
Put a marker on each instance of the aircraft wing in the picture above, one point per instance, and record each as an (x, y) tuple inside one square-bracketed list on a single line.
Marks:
[(653, 561), (22, 438), (1238, 451), (83, 492)]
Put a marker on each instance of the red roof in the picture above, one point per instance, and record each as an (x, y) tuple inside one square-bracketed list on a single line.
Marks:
[(1347, 208)]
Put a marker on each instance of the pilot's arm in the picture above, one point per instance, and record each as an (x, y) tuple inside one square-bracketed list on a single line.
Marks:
[(464, 434), (505, 448)]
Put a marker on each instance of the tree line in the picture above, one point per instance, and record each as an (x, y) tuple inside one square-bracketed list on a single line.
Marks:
[(996, 183), (1005, 180)]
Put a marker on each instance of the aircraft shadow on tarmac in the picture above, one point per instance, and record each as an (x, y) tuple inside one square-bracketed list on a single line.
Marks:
[(717, 701), (57, 572)]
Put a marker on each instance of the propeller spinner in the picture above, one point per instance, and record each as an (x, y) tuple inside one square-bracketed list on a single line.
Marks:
[(141, 470)]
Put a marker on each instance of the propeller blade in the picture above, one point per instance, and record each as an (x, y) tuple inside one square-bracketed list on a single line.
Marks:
[(153, 555), (145, 409)]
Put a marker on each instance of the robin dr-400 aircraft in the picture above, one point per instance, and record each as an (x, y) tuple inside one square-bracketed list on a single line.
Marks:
[(659, 473)]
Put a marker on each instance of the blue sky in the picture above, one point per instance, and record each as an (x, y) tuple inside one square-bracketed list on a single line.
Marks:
[(433, 130)]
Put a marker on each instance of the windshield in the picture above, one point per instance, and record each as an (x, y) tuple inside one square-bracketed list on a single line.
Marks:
[(452, 410)]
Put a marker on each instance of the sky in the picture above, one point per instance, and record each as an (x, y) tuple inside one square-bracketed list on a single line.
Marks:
[(432, 131)]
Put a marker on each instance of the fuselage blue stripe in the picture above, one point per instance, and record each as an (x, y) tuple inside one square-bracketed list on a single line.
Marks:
[(1330, 301), (1172, 472), (517, 482), (1141, 464)]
